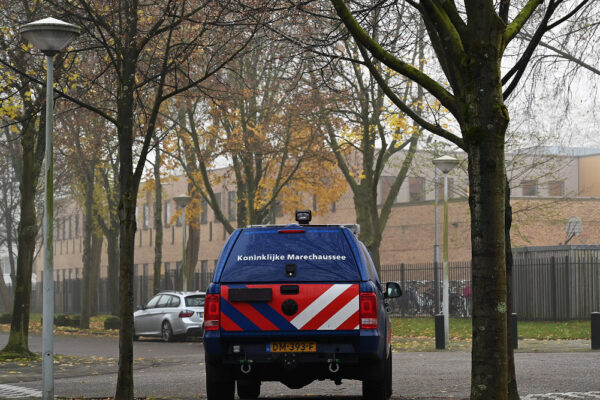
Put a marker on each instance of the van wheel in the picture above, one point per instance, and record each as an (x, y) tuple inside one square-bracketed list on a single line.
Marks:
[(248, 389), (219, 385), (377, 388)]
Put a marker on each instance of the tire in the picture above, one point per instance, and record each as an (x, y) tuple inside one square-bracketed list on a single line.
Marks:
[(167, 332), (135, 337), (219, 384), (388, 375), (248, 389), (377, 388)]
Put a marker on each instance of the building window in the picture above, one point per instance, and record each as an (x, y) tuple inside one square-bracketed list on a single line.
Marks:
[(232, 205), (314, 202), (64, 228), (440, 188), (278, 209), (416, 186), (167, 213), (179, 221), (218, 205), (146, 216), (76, 225), (210, 227), (70, 227), (556, 188), (333, 206), (204, 215), (529, 188), (385, 185)]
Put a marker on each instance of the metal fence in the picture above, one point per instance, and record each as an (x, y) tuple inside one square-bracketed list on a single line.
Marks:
[(418, 285), (67, 292), (557, 283), (549, 283)]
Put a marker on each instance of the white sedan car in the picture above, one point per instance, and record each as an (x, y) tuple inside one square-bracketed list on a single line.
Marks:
[(171, 315)]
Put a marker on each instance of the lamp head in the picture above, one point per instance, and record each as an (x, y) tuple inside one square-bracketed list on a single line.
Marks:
[(182, 200), (50, 35), (445, 163)]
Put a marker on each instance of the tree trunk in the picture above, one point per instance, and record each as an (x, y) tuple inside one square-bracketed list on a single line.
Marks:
[(112, 247), (158, 226), (8, 223), (513, 392), (96, 254), (127, 241), (128, 190), (6, 303), (193, 250), (486, 200), (88, 229), (19, 328)]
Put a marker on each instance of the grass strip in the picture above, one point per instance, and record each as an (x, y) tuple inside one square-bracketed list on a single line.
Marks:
[(460, 328)]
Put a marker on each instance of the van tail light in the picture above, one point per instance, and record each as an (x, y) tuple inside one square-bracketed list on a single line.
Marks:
[(368, 311), (212, 312), (186, 314)]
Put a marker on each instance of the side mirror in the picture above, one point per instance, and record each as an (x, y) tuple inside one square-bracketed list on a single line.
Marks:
[(392, 290), (141, 307)]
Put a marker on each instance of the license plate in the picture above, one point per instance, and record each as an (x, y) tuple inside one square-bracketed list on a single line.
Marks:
[(292, 347)]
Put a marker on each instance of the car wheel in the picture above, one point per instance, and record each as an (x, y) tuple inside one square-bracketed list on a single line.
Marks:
[(248, 389), (167, 332), (376, 388), (135, 337), (219, 384)]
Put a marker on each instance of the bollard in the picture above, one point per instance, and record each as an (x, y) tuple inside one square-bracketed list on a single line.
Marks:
[(440, 337), (515, 331), (596, 331)]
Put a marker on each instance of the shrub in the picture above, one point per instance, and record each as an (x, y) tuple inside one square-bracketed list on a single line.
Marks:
[(112, 322), (67, 320), (5, 318)]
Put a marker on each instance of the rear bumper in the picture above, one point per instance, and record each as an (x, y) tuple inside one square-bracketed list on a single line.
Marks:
[(339, 355)]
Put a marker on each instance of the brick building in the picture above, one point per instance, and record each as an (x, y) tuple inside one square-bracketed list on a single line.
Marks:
[(549, 185)]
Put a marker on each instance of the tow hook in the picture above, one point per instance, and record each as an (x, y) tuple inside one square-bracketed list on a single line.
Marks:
[(246, 365), (334, 364)]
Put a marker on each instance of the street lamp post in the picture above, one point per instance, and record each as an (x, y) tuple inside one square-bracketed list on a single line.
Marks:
[(182, 201), (50, 36), (445, 164), (436, 246)]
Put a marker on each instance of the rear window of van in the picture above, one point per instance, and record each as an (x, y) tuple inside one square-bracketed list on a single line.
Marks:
[(314, 254)]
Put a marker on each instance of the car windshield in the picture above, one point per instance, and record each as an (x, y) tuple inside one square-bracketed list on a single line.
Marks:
[(194, 301)]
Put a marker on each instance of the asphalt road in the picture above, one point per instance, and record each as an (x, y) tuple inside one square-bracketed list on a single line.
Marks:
[(176, 370)]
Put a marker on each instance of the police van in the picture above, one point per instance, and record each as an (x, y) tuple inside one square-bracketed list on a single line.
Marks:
[(296, 303)]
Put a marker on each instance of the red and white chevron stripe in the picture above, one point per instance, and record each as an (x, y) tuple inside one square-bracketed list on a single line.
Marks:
[(335, 309)]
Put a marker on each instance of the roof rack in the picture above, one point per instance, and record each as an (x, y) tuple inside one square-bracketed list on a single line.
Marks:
[(354, 228)]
